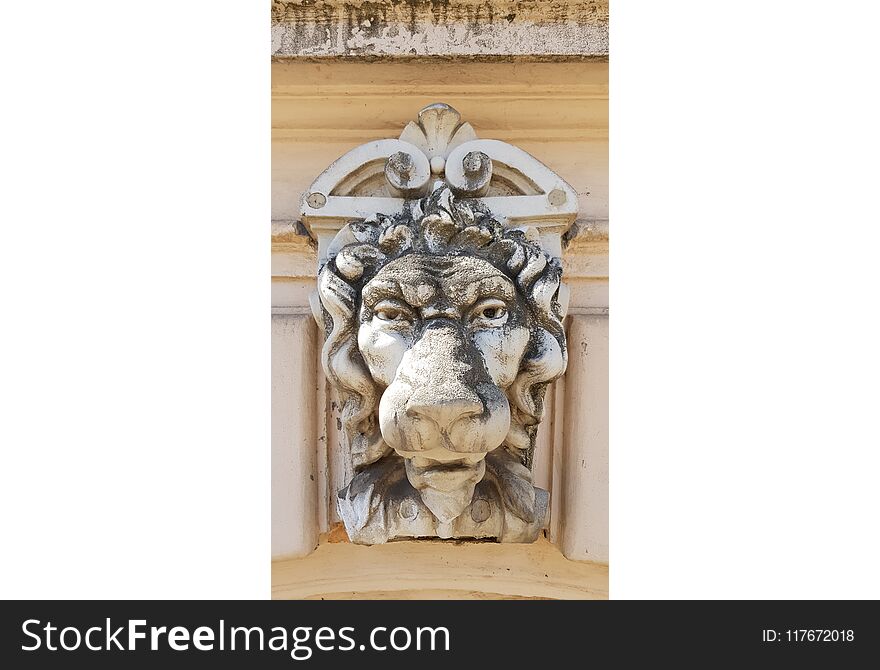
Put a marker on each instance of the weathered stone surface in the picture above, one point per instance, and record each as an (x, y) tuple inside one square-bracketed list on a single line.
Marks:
[(446, 28), (444, 327)]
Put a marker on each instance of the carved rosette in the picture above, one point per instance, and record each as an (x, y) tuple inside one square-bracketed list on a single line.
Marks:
[(440, 292)]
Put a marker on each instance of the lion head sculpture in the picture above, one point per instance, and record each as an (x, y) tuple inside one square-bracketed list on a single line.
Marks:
[(443, 330)]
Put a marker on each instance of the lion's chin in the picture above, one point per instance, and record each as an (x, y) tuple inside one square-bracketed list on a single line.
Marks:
[(445, 487)]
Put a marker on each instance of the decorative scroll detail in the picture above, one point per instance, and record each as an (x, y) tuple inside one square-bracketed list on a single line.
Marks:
[(382, 176), (438, 131)]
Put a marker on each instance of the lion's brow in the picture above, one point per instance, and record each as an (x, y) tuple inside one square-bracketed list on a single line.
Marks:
[(496, 286), (382, 288)]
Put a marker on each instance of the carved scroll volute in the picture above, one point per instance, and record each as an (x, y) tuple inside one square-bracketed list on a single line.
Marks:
[(440, 291), (408, 173), (469, 172)]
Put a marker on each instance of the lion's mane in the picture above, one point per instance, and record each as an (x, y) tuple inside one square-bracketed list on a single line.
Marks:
[(440, 225)]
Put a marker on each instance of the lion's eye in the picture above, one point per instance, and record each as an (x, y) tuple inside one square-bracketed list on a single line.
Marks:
[(389, 314), (390, 311), (489, 312)]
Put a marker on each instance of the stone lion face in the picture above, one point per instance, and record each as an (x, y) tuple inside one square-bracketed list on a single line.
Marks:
[(443, 331), (445, 336)]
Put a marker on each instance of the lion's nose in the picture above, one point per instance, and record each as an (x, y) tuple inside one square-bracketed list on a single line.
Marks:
[(445, 412)]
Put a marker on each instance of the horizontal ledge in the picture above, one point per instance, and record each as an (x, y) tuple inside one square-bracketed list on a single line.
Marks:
[(588, 311), (514, 570), (542, 73), (479, 92), (290, 232), (309, 274), (521, 210), (583, 230), (363, 135), (296, 310), (442, 58)]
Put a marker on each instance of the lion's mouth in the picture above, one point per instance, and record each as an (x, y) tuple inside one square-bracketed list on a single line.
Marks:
[(449, 472), (443, 457)]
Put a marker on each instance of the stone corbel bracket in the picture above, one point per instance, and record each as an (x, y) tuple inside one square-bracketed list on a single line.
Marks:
[(386, 176), (439, 288)]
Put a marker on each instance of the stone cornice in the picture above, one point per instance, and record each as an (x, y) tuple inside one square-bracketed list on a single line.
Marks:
[(495, 29)]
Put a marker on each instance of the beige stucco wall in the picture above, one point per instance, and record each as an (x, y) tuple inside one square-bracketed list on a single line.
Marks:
[(558, 112)]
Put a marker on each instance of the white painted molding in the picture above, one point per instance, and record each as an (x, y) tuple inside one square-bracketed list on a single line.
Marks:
[(518, 189)]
